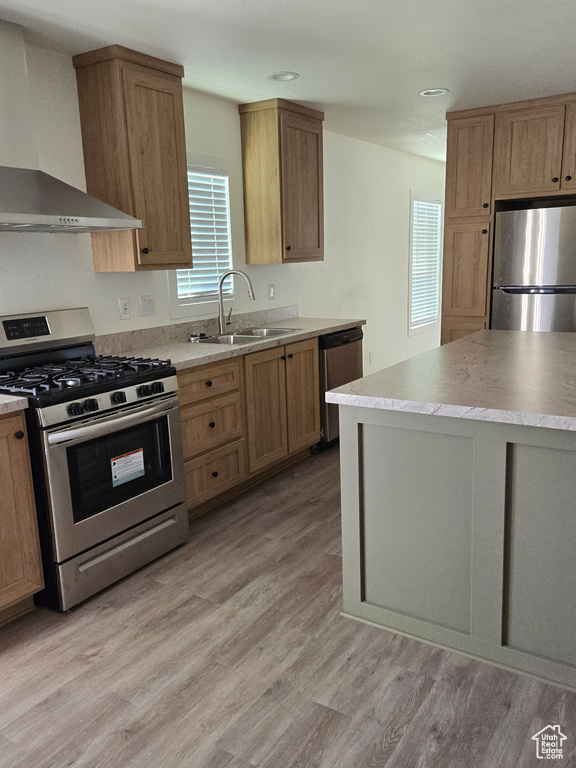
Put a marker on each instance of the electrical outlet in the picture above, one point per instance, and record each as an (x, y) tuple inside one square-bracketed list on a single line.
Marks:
[(147, 306), (124, 306), (370, 358), (271, 291)]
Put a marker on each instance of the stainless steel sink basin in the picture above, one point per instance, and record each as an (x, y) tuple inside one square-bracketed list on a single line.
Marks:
[(265, 331), (227, 338)]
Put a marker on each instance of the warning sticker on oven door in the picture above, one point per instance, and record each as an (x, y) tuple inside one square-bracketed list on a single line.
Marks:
[(127, 467)]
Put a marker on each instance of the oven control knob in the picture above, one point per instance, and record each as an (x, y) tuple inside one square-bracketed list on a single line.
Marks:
[(91, 405), (118, 398), (145, 390), (75, 409), (157, 387)]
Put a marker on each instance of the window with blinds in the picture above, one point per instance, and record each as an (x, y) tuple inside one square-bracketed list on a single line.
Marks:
[(425, 260), (209, 200)]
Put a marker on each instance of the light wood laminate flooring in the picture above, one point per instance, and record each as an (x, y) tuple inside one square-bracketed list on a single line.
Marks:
[(230, 652)]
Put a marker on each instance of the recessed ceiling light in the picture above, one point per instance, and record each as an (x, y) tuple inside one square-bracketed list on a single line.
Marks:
[(283, 76), (434, 92)]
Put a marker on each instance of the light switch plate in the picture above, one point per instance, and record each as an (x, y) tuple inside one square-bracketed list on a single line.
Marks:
[(124, 307), (147, 305)]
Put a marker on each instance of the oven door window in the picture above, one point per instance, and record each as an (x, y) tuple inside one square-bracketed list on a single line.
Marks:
[(111, 469)]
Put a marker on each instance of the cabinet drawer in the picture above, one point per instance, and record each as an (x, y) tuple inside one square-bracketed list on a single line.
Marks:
[(208, 425), (200, 383), (214, 473)]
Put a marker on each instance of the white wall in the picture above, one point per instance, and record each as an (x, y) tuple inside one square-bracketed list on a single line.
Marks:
[(367, 205)]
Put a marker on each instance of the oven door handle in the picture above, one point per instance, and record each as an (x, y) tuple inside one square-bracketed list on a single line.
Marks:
[(111, 425)]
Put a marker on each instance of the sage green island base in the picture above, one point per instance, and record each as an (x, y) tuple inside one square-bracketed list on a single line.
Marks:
[(459, 499)]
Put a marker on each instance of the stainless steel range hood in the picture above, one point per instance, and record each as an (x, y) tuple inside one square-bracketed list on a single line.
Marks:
[(34, 201), (31, 200)]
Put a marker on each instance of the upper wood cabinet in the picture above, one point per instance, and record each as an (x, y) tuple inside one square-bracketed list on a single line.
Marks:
[(132, 120), (283, 182), (568, 181), (20, 564), (469, 166), (528, 150)]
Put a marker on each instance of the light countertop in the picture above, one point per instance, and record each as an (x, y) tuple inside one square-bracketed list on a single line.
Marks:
[(9, 403), (512, 377), (185, 354)]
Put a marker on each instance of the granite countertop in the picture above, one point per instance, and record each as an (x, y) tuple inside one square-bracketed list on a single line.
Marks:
[(185, 354), (9, 403), (512, 377)]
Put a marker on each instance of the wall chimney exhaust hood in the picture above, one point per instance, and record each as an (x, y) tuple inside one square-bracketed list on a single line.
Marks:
[(31, 200)]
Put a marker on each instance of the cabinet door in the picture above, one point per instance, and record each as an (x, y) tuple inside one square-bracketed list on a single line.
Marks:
[(302, 394), (302, 188), (469, 166), (466, 254), (154, 116), (20, 566), (454, 328), (265, 376), (528, 150), (569, 156)]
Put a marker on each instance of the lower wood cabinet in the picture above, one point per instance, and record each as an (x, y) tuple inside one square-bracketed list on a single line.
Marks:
[(302, 395), (242, 416), (282, 402), (214, 473), (454, 328), (20, 562), (211, 423)]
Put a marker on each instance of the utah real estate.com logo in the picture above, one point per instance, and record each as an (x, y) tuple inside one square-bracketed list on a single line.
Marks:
[(549, 743)]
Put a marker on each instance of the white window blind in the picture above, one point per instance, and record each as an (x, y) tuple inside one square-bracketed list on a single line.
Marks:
[(209, 201), (425, 262)]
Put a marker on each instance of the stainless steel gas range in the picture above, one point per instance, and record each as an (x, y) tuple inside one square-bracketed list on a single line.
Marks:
[(106, 452)]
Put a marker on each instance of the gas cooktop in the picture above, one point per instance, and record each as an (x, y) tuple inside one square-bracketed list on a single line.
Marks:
[(60, 381)]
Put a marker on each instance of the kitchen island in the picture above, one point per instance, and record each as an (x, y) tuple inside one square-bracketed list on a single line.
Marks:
[(459, 499)]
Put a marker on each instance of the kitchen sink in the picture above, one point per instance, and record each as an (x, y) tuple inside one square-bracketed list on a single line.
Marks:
[(265, 331), (226, 338)]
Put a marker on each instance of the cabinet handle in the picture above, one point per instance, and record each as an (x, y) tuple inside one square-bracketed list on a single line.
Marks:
[(214, 474), (19, 435), (288, 247), (555, 179), (484, 231), (485, 205), (208, 383), (290, 355), (145, 250), (283, 357), (212, 424), (568, 178)]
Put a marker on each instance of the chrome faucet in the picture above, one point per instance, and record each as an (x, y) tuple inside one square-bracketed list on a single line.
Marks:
[(221, 315)]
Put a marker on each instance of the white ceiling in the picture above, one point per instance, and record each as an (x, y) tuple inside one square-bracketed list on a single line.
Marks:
[(361, 61)]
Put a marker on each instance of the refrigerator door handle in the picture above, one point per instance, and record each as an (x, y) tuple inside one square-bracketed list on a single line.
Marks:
[(535, 290)]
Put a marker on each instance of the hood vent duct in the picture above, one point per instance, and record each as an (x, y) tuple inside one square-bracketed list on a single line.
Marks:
[(34, 201), (31, 200)]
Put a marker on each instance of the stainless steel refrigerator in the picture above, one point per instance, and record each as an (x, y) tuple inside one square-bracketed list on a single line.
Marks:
[(534, 285)]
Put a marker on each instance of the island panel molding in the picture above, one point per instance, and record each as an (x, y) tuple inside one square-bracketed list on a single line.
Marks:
[(519, 619)]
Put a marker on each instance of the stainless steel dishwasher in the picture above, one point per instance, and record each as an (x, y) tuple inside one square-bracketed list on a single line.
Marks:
[(340, 362)]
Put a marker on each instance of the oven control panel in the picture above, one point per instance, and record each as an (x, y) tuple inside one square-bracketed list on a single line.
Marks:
[(25, 327)]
